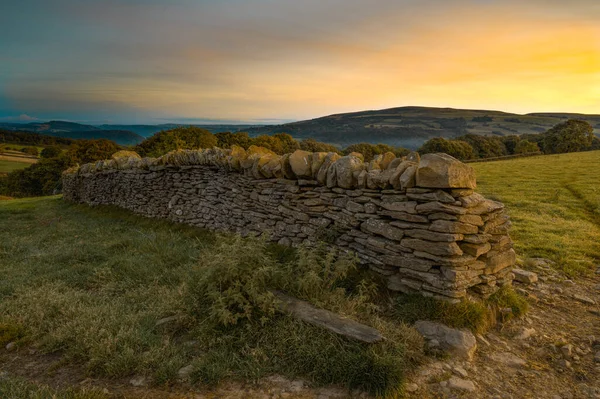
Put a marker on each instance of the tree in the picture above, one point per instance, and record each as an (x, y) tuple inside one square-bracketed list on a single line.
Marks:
[(525, 146), (370, 150), (510, 142), (570, 136), (51, 152), (85, 151), (456, 148), (228, 139), (485, 146), (279, 143), (45, 176), (313, 145), (187, 138), (30, 151)]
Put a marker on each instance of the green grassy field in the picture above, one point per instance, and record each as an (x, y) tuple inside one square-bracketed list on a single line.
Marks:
[(8, 166), (554, 203)]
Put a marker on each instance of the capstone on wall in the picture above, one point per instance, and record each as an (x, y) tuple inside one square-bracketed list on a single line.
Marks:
[(416, 221)]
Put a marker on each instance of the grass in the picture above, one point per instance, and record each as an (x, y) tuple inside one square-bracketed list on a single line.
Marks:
[(7, 166), (554, 204), (95, 281), (478, 317), (14, 388)]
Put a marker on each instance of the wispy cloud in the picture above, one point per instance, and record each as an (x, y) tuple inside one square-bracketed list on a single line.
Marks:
[(134, 60)]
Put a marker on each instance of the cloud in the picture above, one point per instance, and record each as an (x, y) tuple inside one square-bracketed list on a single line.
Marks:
[(19, 118), (252, 59)]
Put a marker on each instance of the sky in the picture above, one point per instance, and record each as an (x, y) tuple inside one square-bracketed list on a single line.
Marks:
[(267, 61)]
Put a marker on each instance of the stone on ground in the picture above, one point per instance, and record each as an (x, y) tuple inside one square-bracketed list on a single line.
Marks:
[(525, 276), (459, 342), (461, 385), (508, 359), (328, 320)]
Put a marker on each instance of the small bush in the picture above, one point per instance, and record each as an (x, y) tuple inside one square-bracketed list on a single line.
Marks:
[(10, 332), (476, 316), (505, 298)]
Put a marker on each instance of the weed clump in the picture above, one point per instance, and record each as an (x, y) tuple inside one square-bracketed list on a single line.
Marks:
[(477, 316), (244, 337)]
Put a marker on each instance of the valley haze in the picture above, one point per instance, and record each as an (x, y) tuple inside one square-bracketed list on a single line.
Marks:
[(407, 127)]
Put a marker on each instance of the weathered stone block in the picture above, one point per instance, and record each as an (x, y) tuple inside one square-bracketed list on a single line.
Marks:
[(444, 171)]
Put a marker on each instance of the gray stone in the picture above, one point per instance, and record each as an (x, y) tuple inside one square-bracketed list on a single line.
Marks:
[(476, 249), (443, 171), (326, 319), (301, 163), (584, 299), (525, 333), (446, 226), (459, 342), (408, 207), (382, 228), (407, 262), (185, 372), (437, 195), (432, 235), (345, 168), (508, 359), (461, 385), (525, 276), (436, 207), (407, 179), (138, 381), (432, 247)]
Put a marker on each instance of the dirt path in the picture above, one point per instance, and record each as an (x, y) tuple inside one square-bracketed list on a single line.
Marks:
[(554, 352)]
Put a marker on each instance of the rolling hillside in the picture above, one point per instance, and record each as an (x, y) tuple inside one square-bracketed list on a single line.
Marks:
[(411, 126), (76, 131), (149, 130)]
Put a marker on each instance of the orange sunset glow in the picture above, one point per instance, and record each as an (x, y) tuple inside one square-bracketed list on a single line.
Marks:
[(265, 59)]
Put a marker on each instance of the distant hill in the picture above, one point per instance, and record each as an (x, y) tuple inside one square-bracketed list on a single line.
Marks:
[(73, 130), (149, 130), (411, 126)]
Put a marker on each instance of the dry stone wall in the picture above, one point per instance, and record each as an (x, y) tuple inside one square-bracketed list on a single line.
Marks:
[(416, 221)]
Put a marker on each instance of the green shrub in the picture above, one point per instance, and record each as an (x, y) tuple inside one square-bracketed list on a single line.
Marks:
[(476, 316), (466, 314), (30, 151), (456, 148), (570, 136), (180, 138), (524, 147), (51, 152), (10, 332), (507, 298)]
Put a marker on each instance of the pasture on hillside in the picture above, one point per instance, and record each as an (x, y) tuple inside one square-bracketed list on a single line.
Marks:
[(8, 164), (554, 204)]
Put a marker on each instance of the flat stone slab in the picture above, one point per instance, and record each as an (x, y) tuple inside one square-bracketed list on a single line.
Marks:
[(323, 318)]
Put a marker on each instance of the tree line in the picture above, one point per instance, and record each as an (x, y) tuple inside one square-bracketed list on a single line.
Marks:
[(44, 177), (570, 136)]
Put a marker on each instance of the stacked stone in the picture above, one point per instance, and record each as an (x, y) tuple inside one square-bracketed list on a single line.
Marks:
[(415, 221)]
